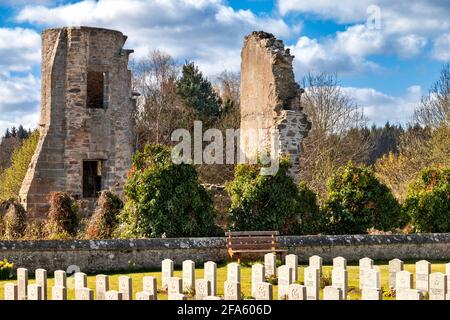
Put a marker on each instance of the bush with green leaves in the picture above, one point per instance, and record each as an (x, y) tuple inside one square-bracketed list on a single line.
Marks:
[(428, 201), (104, 221), (165, 199), (271, 202), (14, 220), (358, 201), (12, 177), (6, 269), (63, 218)]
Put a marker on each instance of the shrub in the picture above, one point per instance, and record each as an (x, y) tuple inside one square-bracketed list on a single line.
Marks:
[(311, 219), (428, 201), (6, 269), (357, 201), (63, 219), (105, 218), (14, 219), (270, 202), (11, 179), (165, 199)]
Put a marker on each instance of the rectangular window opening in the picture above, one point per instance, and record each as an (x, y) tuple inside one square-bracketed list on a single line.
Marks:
[(92, 178), (95, 90)]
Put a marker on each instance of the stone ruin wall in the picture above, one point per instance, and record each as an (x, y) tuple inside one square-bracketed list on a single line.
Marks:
[(270, 97), (69, 131)]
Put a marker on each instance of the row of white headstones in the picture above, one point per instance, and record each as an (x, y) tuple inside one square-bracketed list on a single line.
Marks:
[(434, 285)]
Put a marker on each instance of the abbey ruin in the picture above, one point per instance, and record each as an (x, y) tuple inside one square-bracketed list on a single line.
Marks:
[(86, 124), (270, 98)]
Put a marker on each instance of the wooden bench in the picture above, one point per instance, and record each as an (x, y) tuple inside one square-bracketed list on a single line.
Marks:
[(253, 242)]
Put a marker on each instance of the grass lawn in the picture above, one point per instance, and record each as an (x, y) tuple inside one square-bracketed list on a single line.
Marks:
[(353, 275)]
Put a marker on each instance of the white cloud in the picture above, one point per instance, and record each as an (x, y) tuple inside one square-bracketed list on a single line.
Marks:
[(19, 49), (19, 103), (405, 27), (380, 107), (207, 31), (343, 54), (416, 16), (441, 48)]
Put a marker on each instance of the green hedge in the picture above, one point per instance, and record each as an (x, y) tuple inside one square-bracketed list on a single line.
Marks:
[(358, 201), (165, 199), (428, 201)]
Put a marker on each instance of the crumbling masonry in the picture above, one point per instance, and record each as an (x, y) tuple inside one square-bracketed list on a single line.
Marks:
[(270, 98), (86, 124)]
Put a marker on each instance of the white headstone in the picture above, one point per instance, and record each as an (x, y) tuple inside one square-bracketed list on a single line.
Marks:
[(59, 293), (423, 270), (210, 274), (284, 280), (409, 294), (447, 273), (113, 295), (175, 286), (34, 292), (292, 263), (270, 262), (80, 280), (403, 281), (263, 291), (438, 286), (257, 276), (126, 287), (149, 285), (178, 296), (312, 283), (316, 262), (144, 296), (232, 290), (332, 293), (60, 278), (372, 279), (84, 294), (339, 279), (41, 280), (233, 272), (364, 264), (11, 292), (395, 265), (371, 294), (339, 262), (101, 286), (202, 289), (188, 275), (297, 292), (167, 273), (22, 283)]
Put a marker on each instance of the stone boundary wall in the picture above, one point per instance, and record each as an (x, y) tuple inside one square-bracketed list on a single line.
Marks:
[(115, 255)]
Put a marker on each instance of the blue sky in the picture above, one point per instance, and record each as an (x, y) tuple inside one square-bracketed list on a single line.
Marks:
[(386, 53)]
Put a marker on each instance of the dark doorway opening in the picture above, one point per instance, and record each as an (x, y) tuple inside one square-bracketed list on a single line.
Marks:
[(95, 90), (92, 178)]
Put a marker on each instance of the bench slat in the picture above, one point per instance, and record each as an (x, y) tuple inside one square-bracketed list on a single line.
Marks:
[(244, 251), (251, 233), (240, 240), (252, 246)]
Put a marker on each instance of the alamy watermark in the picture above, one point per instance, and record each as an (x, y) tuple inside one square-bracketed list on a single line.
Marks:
[(239, 145)]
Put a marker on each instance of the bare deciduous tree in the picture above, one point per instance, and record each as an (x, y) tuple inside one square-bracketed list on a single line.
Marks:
[(434, 109), (335, 137), (158, 109)]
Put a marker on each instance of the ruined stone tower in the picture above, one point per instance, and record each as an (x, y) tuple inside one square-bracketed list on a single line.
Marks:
[(270, 97), (86, 124)]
